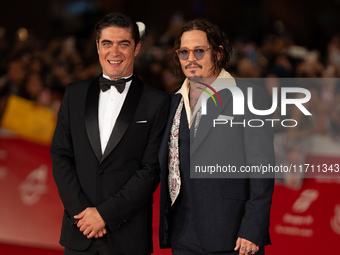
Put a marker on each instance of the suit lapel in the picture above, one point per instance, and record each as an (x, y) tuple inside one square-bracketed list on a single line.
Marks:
[(91, 117), (206, 122), (126, 114)]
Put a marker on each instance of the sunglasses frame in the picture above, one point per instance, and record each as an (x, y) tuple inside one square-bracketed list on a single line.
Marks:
[(193, 51)]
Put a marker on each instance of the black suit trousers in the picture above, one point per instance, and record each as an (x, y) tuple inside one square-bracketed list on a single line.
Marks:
[(184, 240)]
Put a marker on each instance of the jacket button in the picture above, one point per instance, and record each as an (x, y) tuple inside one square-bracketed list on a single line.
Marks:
[(100, 171)]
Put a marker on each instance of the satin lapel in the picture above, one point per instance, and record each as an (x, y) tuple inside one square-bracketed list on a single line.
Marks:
[(176, 98), (206, 122), (91, 117), (126, 114)]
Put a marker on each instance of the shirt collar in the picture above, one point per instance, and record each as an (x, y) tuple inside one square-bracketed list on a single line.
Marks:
[(184, 90), (107, 77)]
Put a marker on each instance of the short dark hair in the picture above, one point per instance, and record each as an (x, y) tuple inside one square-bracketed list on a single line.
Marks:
[(216, 38), (116, 19)]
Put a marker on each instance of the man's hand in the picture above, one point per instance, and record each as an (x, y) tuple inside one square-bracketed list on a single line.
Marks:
[(91, 223), (246, 247)]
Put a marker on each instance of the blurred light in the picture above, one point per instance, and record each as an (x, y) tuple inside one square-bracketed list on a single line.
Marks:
[(298, 52), (141, 28), (22, 34)]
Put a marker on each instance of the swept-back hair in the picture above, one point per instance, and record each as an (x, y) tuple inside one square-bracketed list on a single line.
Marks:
[(216, 38), (116, 19)]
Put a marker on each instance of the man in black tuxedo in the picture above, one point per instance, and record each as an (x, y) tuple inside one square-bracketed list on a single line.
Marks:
[(104, 150), (227, 215)]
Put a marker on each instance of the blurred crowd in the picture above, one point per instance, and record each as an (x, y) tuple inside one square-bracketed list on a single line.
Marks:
[(40, 70)]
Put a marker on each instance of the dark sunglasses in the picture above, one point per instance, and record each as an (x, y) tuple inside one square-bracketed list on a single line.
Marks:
[(198, 53)]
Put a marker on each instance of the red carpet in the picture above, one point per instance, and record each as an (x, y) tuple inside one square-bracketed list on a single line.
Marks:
[(9, 249)]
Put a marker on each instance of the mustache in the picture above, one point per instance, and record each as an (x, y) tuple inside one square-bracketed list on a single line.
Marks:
[(193, 63)]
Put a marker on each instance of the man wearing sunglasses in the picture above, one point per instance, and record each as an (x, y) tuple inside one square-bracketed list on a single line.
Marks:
[(211, 216)]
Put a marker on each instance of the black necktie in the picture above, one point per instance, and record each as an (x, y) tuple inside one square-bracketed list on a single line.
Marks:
[(105, 84)]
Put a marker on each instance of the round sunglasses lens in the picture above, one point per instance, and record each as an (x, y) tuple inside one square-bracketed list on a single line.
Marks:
[(199, 53), (183, 54)]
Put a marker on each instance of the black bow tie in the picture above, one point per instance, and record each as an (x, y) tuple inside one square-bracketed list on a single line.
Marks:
[(105, 84)]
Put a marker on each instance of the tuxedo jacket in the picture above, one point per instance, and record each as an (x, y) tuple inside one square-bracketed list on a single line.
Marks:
[(223, 209), (119, 182)]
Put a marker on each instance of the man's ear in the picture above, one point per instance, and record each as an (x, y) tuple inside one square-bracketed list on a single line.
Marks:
[(97, 43), (139, 44), (220, 53)]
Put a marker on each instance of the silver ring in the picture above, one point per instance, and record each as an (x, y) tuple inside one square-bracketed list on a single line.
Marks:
[(249, 251), (242, 247)]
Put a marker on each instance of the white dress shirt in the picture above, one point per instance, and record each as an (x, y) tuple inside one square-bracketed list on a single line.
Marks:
[(110, 105)]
